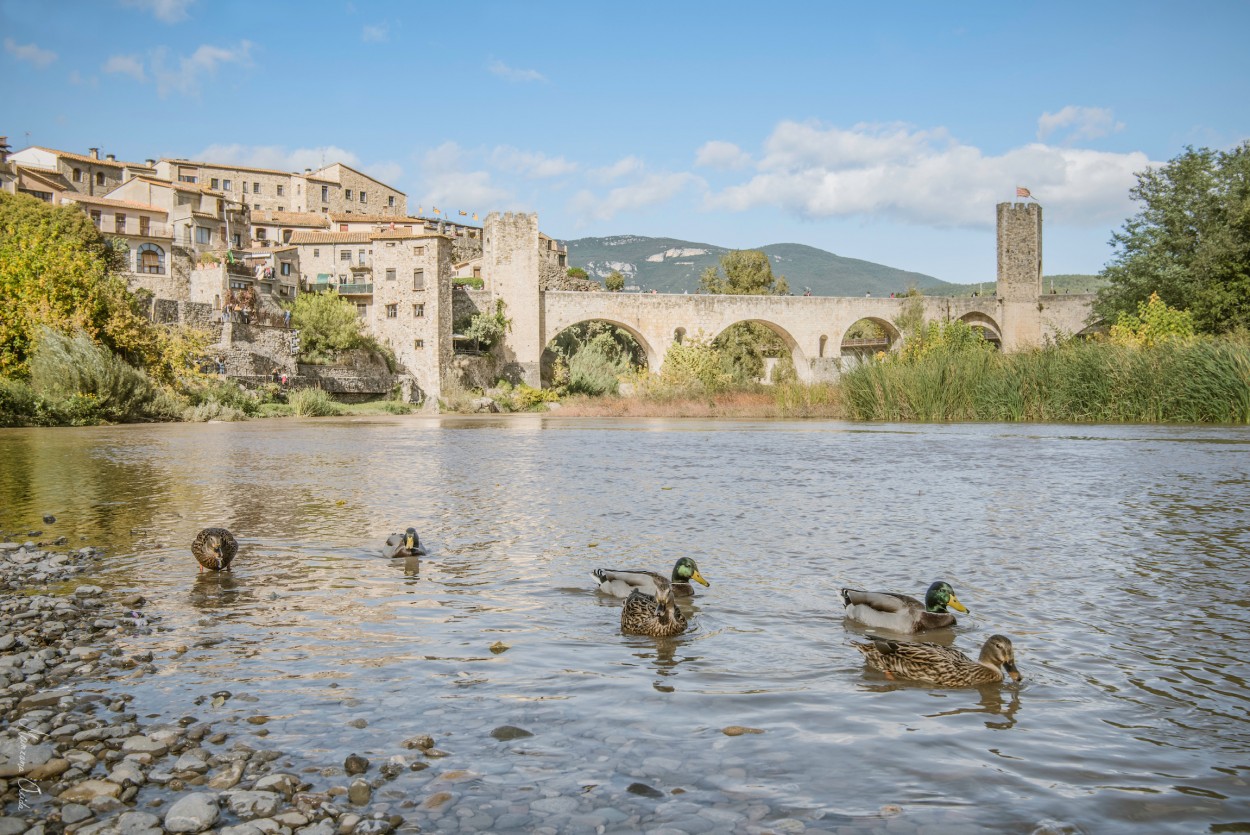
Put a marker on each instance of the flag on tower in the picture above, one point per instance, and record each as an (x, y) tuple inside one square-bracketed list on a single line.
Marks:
[(463, 213), (436, 210), (475, 215), (1021, 191)]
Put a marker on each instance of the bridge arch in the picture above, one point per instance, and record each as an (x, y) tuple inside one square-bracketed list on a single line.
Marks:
[(649, 360), (797, 357), (986, 325), (856, 345)]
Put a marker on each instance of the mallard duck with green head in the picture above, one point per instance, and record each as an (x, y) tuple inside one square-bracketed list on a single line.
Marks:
[(900, 613), (936, 664), (622, 583), (215, 549), (406, 544), (654, 615)]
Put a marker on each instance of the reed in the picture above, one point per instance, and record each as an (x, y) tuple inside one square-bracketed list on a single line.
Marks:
[(1176, 381), (311, 402)]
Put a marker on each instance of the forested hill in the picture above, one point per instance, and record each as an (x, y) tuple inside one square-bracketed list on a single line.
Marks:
[(670, 265)]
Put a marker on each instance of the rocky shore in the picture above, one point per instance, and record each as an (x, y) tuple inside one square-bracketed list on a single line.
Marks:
[(73, 760)]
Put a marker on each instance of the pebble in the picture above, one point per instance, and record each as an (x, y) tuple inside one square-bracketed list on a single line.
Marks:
[(505, 733), (355, 764), (192, 813), (359, 792), (739, 730)]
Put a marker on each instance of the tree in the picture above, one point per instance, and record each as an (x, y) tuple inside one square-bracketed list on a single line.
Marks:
[(1190, 243), (615, 282), (576, 272), (58, 272), (327, 325), (743, 273)]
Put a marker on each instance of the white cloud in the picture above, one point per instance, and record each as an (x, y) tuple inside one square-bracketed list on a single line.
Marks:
[(724, 155), (130, 65), (650, 190), (532, 164), (623, 167), (375, 34), (278, 157), (169, 11), (447, 185), (1079, 122), (502, 70), (30, 53), (192, 70), (925, 177)]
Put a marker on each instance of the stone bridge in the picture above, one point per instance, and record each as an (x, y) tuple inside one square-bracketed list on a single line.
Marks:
[(812, 327), (1016, 316)]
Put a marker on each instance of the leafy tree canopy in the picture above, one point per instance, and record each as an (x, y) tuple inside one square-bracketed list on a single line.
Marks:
[(1190, 243), (615, 282), (58, 272), (327, 324), (743, 272)]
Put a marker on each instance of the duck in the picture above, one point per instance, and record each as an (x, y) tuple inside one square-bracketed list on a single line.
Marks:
[(621, 583), (654, 615), (215, 549), (406, 544), (936, 664), (900, 613)]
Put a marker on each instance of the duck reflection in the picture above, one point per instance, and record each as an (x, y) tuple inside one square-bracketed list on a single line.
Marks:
[(663, 655), (1002, 711), (216, 590)]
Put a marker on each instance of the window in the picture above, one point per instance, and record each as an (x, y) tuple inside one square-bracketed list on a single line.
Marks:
[(325, 194), (238, 240), (256, 206), (99, 178), (342, 227), (346, 255), (418, 344), (119, 223), (361, 259), (225, 185), (286, 267), (392, 311), (362, 309), (187, 178), (418, 279), (364, 197), (316, 253), (151, 259), (203, 235), (78, 175), (418, 311), (95, 216), (280, 193), (390, 274), (347, 193), (282, 208), (144, 227), (261, 233), (390, 200), (245, 186), (255, 188), (214, 183), (418, 250)]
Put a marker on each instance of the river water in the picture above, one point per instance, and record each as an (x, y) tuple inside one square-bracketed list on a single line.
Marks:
[(1115, 557)]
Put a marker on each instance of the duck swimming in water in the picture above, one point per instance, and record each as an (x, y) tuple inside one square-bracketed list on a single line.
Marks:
[(900, 613), (654, 615), (936, 664), (406, 544), (621, 583), (214, 549)]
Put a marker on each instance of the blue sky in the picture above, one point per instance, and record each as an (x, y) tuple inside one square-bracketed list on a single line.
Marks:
[(883, 131)]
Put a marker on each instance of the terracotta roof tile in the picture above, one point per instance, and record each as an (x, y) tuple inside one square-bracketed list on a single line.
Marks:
[(397, 219), (290, 218), (329, 238), (82, 157), (108, 201)]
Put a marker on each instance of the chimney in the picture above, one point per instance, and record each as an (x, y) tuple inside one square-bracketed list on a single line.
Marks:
[(111, 157), (307, 170), (95, 153), (150, 163)]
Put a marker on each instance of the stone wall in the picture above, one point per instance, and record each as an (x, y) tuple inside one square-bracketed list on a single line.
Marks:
[(510, 263), (173, 312), (412, 304), (467, 303), (1020, 273)]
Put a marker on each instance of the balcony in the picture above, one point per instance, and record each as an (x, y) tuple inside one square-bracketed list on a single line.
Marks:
[(355, 289), (109, 226)]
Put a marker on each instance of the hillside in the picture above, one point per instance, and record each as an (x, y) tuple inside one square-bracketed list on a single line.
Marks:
[(670, 265)]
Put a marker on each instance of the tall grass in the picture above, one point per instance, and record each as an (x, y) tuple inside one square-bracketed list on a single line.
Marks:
[(1193, 381), (312, 402)]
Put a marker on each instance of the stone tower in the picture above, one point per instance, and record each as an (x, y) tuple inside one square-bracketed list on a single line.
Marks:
[(1019, 274), (510, 267)]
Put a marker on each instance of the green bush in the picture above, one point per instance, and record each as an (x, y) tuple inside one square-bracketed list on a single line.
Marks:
[(312, 402), (467, 281)]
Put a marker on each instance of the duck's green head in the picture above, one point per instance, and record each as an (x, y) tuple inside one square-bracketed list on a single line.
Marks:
[(685, 570), (411, 540), (941, 595)]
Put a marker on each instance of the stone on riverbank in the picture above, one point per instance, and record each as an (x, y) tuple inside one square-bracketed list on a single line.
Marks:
[(193, 813)]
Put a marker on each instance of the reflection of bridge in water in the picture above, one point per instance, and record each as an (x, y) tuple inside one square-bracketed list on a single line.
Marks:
[(814, 328)]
